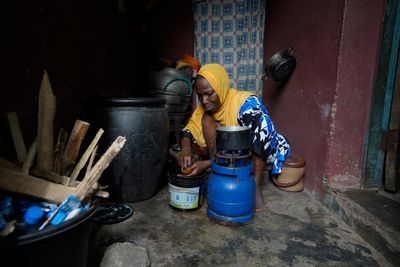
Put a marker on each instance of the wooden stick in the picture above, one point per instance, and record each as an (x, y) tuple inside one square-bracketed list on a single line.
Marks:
[(59, 150), (9, 165), (28, 162), (47, 109), (103, 194), (98, 190), (88, 181), (85, 157), (50, 176), (74, 143), (14, 181), (91, 160), (17, 137)]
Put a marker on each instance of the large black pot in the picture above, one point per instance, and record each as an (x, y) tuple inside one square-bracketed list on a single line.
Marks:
[(233, 138), (136, 172), (62, 245), (280, 66)]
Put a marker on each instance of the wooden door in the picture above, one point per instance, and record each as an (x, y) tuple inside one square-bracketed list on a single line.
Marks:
[(391, 177)]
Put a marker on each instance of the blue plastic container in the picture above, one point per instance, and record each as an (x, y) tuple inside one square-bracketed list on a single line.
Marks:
[(33, 215), (231, 193)]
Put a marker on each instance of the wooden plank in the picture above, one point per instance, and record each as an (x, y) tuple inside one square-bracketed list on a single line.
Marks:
[(8, 164), (50, 176), (14, 181), (17, 137), (73, 145), (59, 150), (28, 162), (85, 156), (47, 109), (91, 160), (90, 180)]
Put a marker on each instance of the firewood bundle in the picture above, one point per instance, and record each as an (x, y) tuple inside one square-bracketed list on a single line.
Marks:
[(53, 175)]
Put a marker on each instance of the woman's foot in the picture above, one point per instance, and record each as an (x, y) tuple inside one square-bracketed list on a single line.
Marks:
[(260, 205), (258, 171)]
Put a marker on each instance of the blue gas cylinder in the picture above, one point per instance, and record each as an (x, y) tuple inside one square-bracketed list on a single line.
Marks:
[(231, 193)]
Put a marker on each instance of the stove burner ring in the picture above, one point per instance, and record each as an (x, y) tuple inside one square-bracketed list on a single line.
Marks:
[(232, 154)]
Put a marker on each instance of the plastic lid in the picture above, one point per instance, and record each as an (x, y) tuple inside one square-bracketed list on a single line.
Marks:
[(33, 215)]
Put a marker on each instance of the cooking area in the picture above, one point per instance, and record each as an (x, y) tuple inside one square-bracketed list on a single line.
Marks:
[(200, 133)]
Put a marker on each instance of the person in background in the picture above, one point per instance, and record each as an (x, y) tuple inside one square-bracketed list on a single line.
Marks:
[(189, 66), (221, 105)]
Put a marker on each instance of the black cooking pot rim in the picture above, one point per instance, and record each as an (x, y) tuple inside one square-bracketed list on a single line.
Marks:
[(233, 128), (124, 101)]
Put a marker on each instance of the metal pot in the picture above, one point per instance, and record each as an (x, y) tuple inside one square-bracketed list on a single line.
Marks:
[(171, 81), (173, 103), (233, 138), (280, 66), (172, 98), (176, 108)]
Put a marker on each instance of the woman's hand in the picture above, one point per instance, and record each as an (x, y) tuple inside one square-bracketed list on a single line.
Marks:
[(198, 167), (185, 158)]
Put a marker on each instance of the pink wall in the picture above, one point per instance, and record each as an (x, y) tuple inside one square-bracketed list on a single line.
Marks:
[(355, 80), (323, 108)]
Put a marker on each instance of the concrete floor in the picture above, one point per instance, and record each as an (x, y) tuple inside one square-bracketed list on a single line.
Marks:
[(295, 230)]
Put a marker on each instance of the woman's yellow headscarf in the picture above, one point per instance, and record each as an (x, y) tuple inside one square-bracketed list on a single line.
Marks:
[(231, 101)]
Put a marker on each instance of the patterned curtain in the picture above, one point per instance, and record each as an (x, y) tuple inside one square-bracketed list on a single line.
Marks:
[(231, 32)]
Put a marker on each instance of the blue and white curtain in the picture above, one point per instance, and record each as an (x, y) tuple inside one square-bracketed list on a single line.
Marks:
[(231, 33)]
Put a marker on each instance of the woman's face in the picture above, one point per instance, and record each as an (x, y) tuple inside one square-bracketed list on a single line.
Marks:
[(207, 96)]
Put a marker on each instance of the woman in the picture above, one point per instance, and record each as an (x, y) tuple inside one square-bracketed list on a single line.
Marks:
[(224, 106)]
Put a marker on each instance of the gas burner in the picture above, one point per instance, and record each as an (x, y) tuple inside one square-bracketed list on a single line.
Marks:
[(233, 154)]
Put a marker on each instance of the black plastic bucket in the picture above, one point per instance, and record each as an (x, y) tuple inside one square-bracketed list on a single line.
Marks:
[(186, 193), (56, 245), (135, 173)]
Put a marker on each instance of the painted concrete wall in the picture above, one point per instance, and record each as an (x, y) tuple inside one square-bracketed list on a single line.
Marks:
[(355, 80), (323, 108)]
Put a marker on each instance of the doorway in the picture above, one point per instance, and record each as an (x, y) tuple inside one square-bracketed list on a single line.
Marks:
[(390, 142), (382, 151)]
